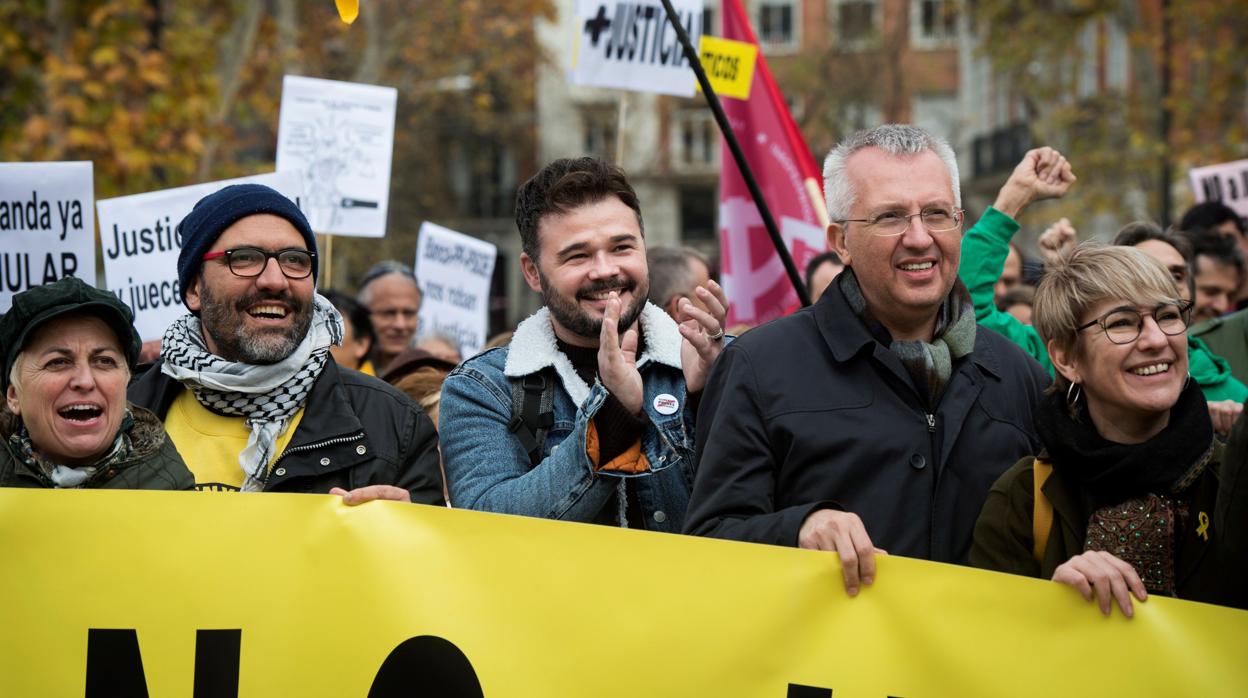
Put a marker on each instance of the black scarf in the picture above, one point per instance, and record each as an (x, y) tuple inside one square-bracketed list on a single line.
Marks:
[(1111, 472)]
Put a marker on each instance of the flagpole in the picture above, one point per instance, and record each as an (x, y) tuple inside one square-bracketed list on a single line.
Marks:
[(738, 155)]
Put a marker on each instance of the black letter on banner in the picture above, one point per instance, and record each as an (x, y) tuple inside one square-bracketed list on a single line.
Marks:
[(114, 665), (426, 666), (800, 691), (216, 663)]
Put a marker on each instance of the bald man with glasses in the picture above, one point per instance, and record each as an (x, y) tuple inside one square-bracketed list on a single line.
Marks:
[(246, 385)]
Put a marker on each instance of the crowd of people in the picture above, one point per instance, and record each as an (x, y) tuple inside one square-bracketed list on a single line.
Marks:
[(943, 398)]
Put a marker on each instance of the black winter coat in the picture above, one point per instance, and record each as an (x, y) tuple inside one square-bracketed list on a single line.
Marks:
[(811, 412), (356, 431)]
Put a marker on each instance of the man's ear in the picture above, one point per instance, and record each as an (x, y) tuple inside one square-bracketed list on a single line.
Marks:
[(10, 398), (836, 242), (529, 267), (672, 307), (1064, 362), (193, 302)]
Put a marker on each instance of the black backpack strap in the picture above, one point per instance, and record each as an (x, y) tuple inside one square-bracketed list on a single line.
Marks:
[(532, 412)]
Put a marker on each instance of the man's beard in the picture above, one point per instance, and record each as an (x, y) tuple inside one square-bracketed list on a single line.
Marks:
[(568, 313), (224, 324)]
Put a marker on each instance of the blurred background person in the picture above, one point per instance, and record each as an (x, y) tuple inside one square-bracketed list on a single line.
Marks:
[(1118, 504), (1218, 217), (674, 273), (441, 345), (68, 350), (390, 292), (1217, 272), (1018, 302), (358, 338), (1011, 275), (820, 271), (424, 386)]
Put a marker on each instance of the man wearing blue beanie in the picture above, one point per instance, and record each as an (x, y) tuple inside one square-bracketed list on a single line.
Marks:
[(246, 385)]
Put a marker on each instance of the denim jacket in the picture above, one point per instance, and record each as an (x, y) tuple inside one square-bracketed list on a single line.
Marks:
[(488, 469)]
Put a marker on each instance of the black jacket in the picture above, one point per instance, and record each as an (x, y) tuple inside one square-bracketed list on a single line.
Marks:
[(356, 430), (810, 412)]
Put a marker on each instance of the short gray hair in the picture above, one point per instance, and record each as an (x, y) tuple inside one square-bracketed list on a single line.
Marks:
[(894, 139), (671, 273)]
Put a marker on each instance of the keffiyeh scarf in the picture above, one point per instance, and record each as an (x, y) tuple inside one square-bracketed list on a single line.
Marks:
[(266, 397)]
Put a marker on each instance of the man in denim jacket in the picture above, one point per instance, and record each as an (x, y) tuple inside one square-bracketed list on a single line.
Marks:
[(622, 377)]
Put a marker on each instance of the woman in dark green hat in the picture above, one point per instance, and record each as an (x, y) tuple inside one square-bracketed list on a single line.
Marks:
[(68, 350)]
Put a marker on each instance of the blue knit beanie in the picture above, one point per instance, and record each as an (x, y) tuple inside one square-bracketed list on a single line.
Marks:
[(219, 210)]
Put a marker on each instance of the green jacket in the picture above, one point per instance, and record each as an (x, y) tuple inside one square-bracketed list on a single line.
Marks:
[(984, 249), (1228, 336), (154, 463)]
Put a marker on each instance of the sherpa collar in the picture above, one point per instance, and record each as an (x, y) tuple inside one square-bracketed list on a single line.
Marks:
[(533, 348)]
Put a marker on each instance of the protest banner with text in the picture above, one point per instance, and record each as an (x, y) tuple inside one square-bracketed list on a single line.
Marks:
[(141, 242), (340, 137), (454, 271), (1227, 183), (632, 46), (174, 591), (46, 228)]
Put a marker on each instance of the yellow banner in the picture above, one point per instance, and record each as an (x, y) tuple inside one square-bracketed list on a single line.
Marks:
[(729, 65), (214, 594)]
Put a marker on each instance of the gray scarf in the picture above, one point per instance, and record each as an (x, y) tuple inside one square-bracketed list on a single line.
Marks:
[(265, 396), (929, 365)]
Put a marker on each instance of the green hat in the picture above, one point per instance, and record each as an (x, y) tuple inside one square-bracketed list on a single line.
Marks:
[(36, 306)]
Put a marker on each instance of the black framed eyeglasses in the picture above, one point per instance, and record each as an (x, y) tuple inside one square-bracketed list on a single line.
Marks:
[(936, 219), (1124, 325), (249, 262)]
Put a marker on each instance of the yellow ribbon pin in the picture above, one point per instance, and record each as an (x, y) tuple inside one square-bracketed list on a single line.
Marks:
[(1203, 529)]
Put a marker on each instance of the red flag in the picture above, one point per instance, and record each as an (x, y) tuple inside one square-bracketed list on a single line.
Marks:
[(753, 275)]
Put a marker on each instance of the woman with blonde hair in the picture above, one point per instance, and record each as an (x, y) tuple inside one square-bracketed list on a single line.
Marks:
[(1120, 502)]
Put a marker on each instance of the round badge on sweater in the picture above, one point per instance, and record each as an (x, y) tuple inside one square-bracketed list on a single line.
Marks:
[(666, 404)]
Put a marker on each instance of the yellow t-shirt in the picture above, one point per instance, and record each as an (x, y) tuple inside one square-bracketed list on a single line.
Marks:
[(210, 443)]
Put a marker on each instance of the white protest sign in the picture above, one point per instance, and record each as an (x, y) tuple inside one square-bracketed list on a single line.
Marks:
[(340, 136), (140, 241), (1227, 183), (454, 271), (46, 227), (632, 45)]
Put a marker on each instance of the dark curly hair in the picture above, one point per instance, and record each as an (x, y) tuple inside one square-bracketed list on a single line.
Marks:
[(564, 185)]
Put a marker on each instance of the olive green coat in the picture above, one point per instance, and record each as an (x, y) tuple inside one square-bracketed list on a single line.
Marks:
[(153, 464)]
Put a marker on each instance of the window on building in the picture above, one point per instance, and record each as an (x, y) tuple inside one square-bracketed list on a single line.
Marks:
[(710, 21), (1117, 56), (699, 204), (933, 23), (599, 132), (856, 21), (483, 177), (777, 24), (695, 144), (937, 113)]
